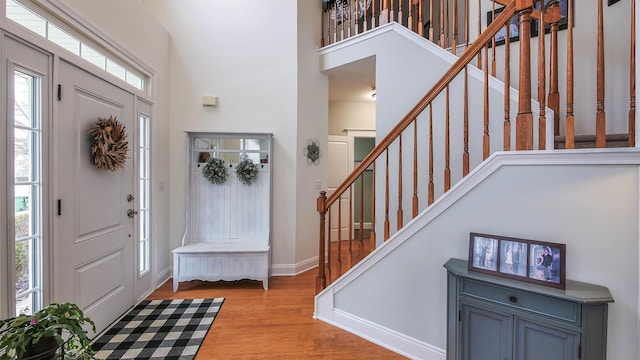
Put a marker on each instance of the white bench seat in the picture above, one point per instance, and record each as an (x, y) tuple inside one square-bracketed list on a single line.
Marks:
[(213, 261)]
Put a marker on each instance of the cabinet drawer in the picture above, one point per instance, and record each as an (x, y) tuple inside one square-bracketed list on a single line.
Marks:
[(541, 304)]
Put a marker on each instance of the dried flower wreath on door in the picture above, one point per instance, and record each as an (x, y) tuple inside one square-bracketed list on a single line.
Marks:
[(109, 144)]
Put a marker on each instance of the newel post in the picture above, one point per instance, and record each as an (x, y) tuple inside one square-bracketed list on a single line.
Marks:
[(321, 279), (524, 119)]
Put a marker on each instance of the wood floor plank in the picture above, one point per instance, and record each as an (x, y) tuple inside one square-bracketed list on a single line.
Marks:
[(273, 324)]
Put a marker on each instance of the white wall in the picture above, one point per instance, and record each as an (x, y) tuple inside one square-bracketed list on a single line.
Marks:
[(351, 115), (251, 55), (313, 97), (591, 207)]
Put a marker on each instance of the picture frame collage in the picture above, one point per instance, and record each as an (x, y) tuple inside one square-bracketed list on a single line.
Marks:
[(533, 261)]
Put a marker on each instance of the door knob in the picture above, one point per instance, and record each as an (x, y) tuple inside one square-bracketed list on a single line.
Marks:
[(131, 213)]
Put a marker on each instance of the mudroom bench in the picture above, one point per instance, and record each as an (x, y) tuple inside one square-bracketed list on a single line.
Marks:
[(228, 212)]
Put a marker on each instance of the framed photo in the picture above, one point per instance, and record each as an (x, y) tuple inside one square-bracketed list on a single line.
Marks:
[(483, 253), (514, 28), (547, 264), (564, 15), (531, 261)]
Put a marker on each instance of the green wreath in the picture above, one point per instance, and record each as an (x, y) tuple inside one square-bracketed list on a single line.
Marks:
[(215, 171), (247, 171)]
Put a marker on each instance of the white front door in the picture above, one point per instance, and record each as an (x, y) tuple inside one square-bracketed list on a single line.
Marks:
[(340, 161), (94, 242)]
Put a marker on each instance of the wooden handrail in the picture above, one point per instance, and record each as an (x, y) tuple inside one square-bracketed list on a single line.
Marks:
[(439, 86)]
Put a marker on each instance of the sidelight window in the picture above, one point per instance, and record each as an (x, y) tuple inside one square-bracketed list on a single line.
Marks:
[(27, 185)]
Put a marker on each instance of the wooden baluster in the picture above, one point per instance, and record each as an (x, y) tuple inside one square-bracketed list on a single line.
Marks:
[(632, 73), (355, 17), (372, 234), (365, 22), (342, 19), (335, 22), (321, 280), (465, 119), (542, 120), (466, 24), (431, 32), (447, 144), (447, 35), (410, 16), (420, 19), (384, 12), (454, 24), (386, 198), (554, 94), (441, 40), (601, 131), (350, 227), (479, 31), (399, 17), (431, 184), (414, 213), (493, 40), (524, 120), (329, 260), (339, 236), (400, 215), (570, 130), (391, 11), (485, 136), (506, 132), (361, 211), (322, 32)]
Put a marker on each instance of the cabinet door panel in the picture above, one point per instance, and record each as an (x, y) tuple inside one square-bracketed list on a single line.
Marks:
[(539, 342), (485, 334)]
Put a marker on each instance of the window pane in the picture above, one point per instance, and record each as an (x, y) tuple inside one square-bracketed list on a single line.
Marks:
[(134, 80), (23, 106), (27, 193), (24, 304), (115, 69), (23, 266), (26, 18), (23, 153), (60, 37), (92, 56)]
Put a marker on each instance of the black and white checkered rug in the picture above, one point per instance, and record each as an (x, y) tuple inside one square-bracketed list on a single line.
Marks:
[(159, 329)]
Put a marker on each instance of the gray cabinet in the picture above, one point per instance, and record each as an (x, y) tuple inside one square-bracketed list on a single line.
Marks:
[(490, 317)]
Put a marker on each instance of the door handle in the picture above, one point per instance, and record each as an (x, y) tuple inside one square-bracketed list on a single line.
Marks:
[(131, 213)]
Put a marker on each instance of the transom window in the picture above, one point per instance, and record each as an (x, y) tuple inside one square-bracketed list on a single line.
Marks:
[(54, 33)]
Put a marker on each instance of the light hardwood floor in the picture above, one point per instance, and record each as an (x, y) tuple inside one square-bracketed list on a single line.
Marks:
[(273, 324)]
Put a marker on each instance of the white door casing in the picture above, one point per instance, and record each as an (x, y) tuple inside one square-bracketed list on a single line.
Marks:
[(340, 160), (95, 239)]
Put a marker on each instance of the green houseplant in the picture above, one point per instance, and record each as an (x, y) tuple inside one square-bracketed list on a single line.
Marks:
[(47, 329)]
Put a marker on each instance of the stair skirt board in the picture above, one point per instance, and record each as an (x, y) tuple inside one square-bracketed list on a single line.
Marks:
[(324, 301), (387, 338)]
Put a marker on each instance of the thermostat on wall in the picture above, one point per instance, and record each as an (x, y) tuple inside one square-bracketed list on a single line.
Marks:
[(209, 101)]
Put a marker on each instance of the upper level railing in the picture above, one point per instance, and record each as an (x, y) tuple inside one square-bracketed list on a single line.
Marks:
[(431, 120)]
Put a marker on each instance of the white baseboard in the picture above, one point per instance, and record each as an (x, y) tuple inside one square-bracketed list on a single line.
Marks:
[(163, 276), (387, 338), (294, 269)]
